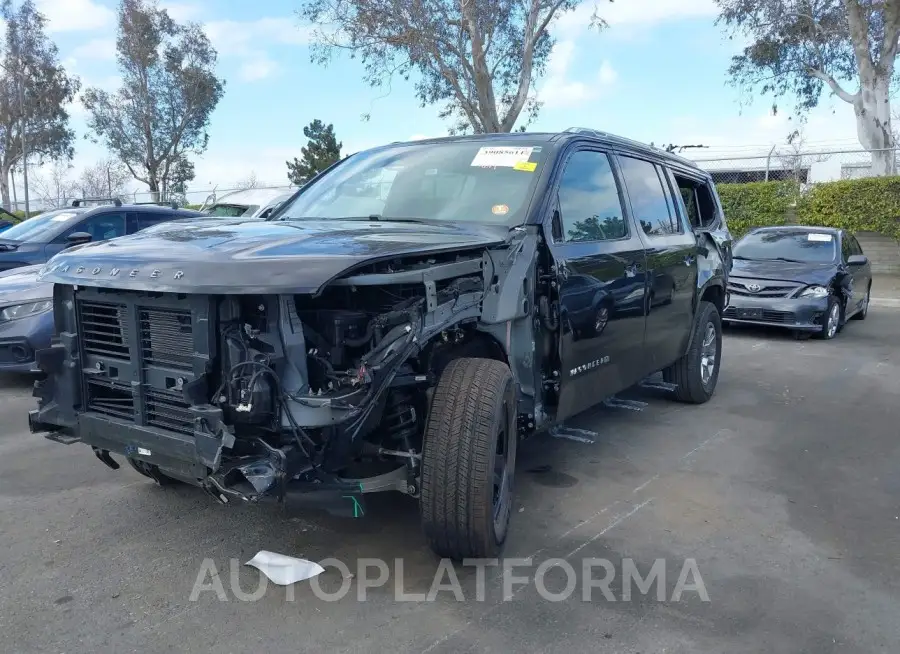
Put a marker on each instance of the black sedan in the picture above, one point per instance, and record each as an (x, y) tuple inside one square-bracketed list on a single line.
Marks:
[(808, 279)]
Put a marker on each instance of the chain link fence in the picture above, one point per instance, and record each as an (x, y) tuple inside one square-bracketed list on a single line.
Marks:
[(800, 165), (193, 197)]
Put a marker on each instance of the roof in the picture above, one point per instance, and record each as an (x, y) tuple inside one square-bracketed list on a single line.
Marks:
[(564, 136), (252, 197)]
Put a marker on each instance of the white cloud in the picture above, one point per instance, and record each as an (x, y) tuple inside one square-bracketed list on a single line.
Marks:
[(181, 11), (258, 66), (243, 40), (75, 15), (230, 36), (557, 89), (632, 13), (101, 48)]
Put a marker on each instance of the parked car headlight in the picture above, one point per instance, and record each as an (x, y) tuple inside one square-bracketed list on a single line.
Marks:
[(815, 291), (24, 310)]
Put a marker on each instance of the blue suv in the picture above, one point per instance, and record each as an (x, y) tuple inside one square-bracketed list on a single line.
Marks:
[(26, 317)]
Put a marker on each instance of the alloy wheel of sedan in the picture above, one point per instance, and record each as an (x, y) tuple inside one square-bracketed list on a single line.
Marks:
[(834, 320)]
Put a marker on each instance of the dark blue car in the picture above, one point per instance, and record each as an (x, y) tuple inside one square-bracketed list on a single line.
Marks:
[(26, 317)]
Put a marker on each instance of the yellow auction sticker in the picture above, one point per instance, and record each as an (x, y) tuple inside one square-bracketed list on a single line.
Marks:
[(527, 166), (500, 209)]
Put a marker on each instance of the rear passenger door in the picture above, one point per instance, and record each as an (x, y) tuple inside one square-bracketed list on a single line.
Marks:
[(671, 248), (139, 220), (600, 266)]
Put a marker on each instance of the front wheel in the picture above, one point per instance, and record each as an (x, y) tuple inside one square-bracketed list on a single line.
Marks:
[(831, 323), (468, 460), (153, 472), (696, 374)]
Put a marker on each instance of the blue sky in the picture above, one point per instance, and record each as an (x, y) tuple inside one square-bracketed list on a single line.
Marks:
[(658, 73)]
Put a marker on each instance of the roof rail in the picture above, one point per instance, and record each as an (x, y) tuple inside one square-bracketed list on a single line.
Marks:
[(613, 138), (80, 202), (172, 204)]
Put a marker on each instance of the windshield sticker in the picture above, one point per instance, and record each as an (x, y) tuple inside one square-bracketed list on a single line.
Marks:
[(500, 209), (501, 157), (63, 217), (819, 238), (527, 166)]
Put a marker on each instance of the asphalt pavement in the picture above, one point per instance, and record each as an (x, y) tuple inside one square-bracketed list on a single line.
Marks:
[(783, 491)]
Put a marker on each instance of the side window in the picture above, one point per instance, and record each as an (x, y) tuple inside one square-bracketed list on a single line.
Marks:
[(145, 220), (101, 227), (649, 201), (590, 209), (855, 247), (698, 201), (846, 247)]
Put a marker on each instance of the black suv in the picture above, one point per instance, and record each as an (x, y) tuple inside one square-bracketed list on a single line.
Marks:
[(37, 239), (399, 324)]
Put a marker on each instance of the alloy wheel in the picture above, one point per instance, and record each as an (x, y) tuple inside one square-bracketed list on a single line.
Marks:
[(709, 351), (834, 320)]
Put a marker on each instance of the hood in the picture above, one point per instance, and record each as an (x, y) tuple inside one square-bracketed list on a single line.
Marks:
[(802, 273), (22, 285), (246, 256)]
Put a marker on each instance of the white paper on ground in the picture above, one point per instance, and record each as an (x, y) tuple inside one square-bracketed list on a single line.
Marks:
[(502, 156), (284, 570)]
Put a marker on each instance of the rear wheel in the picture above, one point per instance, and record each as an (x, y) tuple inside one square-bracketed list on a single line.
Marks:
[(696, 374), (468, 460)]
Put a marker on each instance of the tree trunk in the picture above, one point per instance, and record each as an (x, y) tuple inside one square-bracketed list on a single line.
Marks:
[(873, 123), (153, 185), (4, 189)]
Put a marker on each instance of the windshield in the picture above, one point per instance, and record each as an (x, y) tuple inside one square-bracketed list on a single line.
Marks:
[(229, 210), (801, 246), (41, 228), (451, 181)]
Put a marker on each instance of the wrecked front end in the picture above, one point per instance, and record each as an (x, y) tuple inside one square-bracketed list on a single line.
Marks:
[(257, 396)]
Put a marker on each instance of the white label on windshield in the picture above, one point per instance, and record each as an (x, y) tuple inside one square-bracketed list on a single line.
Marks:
[(504, 157), (819, 238), (63, 217)]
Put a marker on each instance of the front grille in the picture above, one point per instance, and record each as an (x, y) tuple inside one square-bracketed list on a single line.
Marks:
[(138, 352), (104, 329), (777, 316), (167, 338), (768, 315), (766, 288), (167, 411), (110, 397)]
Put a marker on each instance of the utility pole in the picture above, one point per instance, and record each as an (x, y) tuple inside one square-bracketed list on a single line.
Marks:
[(24, 139)]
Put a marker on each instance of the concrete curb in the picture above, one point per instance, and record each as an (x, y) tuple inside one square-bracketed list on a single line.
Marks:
[(885, 302)]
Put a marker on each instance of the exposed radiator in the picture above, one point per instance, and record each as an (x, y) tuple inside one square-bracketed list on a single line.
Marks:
[(167, 338), (104, 330)]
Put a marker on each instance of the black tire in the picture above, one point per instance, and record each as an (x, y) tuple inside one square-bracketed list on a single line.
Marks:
[(465, 511), (862, 313), (153, 472), (694, 376), (834, 309)]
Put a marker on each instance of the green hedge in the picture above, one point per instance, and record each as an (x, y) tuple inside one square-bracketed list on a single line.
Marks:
[(870, 205)]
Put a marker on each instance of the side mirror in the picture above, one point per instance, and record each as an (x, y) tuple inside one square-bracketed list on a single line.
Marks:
[(857, 260), (78, 238)]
